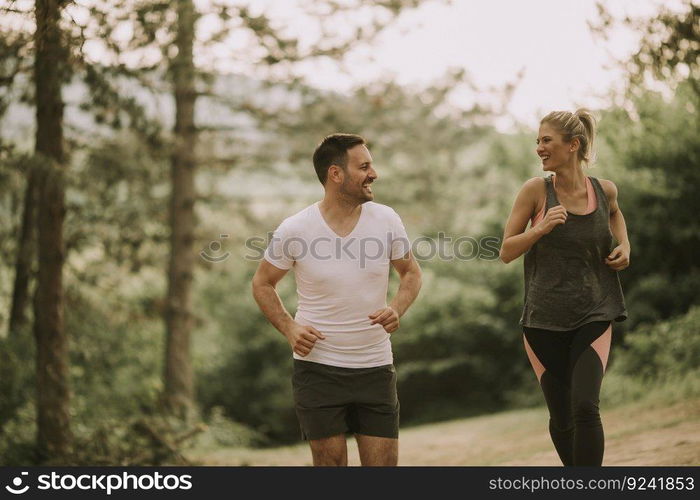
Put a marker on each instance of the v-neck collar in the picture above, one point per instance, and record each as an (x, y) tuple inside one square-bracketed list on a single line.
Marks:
[(323, 220)]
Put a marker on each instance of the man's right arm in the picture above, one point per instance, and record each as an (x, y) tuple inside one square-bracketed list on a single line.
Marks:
[(300, 338)]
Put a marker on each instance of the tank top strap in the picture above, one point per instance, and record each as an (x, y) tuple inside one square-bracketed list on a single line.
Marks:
[(603, 202), (552, 200)]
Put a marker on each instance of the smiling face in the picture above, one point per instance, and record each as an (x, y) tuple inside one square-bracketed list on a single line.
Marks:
[(554, 151), (358, 175)]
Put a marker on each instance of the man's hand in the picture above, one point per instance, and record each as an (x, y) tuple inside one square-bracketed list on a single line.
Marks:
[(387, 317), (619, 258), (302, 338)]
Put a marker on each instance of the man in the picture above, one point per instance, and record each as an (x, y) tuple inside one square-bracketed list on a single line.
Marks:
[(340, 249)]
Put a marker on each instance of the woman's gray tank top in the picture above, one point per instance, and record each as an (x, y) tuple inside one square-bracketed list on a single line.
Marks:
[(567, 283)]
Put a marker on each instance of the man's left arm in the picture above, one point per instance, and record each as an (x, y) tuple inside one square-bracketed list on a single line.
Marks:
[(410, 283)]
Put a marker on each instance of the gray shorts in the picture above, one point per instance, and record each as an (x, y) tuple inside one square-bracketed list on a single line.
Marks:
[(331, 400)]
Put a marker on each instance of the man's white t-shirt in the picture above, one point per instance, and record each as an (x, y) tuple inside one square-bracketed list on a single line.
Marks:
[(341, 281)]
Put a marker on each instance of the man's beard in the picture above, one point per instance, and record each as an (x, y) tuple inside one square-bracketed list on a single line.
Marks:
[(356, 194)]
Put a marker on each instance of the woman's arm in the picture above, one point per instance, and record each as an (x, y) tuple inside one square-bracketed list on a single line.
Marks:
[(516, 240), (619, 258)]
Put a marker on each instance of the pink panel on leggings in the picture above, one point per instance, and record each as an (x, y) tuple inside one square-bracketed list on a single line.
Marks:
[(536, 365), (601, 345)]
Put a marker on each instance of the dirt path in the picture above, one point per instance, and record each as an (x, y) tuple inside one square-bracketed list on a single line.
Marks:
[(640, 434)]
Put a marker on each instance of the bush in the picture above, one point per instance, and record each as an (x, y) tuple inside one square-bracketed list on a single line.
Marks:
[(459, 351), (18, 437), (243, 364), (663, 350), (16, 374)]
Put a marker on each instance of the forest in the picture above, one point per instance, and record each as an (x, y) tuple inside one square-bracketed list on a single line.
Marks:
[(139, 186)]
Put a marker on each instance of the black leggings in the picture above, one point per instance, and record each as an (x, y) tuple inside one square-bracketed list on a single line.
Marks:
[(571, 386)]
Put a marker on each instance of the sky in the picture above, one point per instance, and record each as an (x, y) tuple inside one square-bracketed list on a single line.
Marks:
[(548, 42), (563, 65)]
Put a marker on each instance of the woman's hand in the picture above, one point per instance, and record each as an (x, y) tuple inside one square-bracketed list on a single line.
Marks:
[(554, 216), (619, 258)]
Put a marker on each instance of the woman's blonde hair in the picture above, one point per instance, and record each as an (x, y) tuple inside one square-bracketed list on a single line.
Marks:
[(580, 125)]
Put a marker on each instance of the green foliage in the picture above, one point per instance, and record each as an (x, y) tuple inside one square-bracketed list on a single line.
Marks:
[(247, 372), (459, 350), (145, 438), (656, 154), (221, 431), (657, 362), (445, 170), (662, 350), (13, 44), (427, 151), (18, 436), (668, 50), (116, 200), (619, 389), (658, 296), (16, 375), (13, 169), (115, 341)]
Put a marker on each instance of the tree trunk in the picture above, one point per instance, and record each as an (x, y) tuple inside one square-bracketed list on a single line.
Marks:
[(179, 380), (25, 257), (53, 396)]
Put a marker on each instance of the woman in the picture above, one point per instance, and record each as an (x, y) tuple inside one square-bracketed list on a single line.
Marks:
[(572, 291)]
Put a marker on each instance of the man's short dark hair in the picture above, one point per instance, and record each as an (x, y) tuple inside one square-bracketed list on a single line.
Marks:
[(333, 150)]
